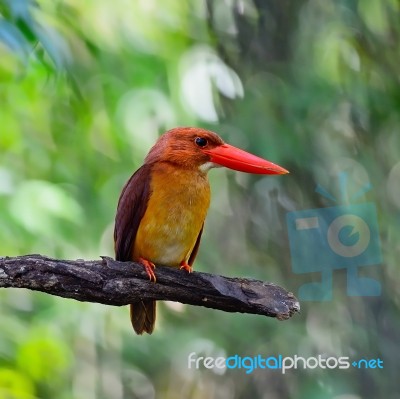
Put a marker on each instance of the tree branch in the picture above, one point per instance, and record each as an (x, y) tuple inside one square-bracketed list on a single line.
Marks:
[(120, 283)]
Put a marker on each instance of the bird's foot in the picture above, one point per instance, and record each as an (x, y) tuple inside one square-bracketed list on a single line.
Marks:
[(186, 267), (149, 268)]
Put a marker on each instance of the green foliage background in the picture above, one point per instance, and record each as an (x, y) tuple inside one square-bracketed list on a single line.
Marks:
[(86, 87)]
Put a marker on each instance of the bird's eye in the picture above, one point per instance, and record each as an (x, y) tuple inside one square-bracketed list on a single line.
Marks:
[(201, 141)]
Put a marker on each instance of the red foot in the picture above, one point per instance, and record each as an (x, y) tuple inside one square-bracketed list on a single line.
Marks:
[(149, 268), (186, 267)]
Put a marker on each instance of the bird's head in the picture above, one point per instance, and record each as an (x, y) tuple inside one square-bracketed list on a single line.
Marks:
[(196, 148)]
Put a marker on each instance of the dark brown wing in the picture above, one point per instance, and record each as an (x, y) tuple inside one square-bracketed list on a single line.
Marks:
[(196, 247), (132, 205)]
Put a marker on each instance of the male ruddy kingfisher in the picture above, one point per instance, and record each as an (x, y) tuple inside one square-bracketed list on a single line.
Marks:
[(162, 208)]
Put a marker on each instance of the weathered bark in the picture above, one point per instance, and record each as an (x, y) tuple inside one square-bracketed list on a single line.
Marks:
[(120, 283)]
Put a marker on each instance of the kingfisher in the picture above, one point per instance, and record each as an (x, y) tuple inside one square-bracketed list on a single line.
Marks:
[(162, 208)]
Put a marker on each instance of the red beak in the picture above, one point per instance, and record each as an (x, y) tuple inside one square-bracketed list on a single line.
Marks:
[(237, 159)]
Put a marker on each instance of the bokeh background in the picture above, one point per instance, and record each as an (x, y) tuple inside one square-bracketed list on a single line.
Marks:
[(86, 87)]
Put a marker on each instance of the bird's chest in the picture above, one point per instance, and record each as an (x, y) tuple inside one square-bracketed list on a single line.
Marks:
[(173, 219)]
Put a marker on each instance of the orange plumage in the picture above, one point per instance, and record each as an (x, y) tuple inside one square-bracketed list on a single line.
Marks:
[(162, 208), (174, 216)]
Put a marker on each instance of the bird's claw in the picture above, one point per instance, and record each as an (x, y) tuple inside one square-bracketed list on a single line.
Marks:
[(186, 267), (149, 268)]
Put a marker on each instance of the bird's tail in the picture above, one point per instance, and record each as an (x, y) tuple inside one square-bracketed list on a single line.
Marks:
[(143, 316)]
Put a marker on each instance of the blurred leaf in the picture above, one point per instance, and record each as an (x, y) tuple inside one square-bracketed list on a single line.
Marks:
[(15, 385), (43, 358), (37, 206), (11, 36)]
